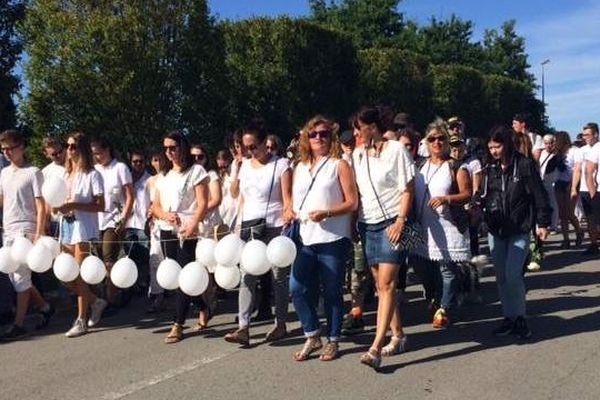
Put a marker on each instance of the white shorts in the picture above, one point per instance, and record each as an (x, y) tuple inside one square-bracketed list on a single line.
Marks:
[(21, 279)]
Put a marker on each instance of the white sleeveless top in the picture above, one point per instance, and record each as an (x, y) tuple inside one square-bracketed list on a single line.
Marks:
[(325, 194), (443, 240)]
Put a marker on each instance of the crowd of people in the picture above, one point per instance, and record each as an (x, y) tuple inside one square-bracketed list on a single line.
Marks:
[(364, 206)]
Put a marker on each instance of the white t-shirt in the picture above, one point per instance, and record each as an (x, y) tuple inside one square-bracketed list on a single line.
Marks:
[(115, 175), (390, 173), (82, 188), (582, 160), (472, 165), (593, 156), (53, 170), (254, 187), (213, 217), (325, 194), (537, 141), (570, 159), (141, 203), (19, 188), (177, 194)]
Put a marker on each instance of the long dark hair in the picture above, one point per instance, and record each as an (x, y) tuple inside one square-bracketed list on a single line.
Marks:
[(185, 156), (563, 142), (86, 160), (506, 137)]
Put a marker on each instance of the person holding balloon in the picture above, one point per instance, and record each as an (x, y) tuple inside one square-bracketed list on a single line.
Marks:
[(180, 206), (385, 175), (79, 227), (324, 197), (264, 189), (24, 214)]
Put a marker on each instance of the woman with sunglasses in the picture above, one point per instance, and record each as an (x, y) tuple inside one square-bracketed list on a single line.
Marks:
[(440, 184), (79, 224), (324, 196), (180, 206), (264, 189), (384, 174)]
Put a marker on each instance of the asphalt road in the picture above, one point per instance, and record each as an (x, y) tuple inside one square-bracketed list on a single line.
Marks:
[(125, 358)]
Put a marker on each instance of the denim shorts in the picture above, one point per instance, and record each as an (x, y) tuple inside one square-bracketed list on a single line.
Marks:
[(66, 231), (376, 244)]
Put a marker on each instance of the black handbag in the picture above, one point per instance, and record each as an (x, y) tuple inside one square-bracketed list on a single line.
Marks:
[(256, 228), (459, 216), (292, 230)]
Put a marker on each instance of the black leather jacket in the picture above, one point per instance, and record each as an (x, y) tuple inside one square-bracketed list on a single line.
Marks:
[(514, 200)]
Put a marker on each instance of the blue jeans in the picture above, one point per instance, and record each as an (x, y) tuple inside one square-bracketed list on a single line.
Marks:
[(509, 256), (439, 280), (315, 266)]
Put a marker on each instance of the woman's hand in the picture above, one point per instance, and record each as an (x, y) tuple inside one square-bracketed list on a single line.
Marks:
[(64, 209), (395, 230), (318, 215), (542, 233), (190, 230), (172, 218), (438, 201), (288, 216)]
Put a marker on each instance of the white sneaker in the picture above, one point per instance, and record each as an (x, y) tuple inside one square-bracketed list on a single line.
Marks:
[(79, 328), (96, 312)]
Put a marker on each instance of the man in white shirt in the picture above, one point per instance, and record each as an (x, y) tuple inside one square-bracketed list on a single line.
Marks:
[(591, 201), (54, 152), (521, 124)]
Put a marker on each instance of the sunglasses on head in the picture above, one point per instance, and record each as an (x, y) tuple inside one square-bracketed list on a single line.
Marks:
[(439, 138), (323, 134)]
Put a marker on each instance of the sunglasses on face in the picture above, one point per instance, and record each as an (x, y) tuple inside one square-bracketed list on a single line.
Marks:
[(198, 156), (71, 146), (170, 148), (251, 147), (10, 148), (324, 134), (432, 139), (137, 161)]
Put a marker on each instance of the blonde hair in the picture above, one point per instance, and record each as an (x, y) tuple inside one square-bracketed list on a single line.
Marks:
[(438, 126), (335, 150)]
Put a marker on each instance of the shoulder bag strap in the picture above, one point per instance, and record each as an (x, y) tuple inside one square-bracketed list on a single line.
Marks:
[(312, 182)]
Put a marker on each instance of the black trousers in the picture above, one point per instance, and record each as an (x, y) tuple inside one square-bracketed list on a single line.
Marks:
[(183, 253)]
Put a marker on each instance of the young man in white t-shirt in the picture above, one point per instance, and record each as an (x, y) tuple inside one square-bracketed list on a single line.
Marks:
[(55, 153), (24, 214), (521, 125), (592, 180)]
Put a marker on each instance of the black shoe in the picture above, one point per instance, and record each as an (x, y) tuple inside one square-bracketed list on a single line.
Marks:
[(14, 333), (591, 251), (505, 329), (352, 325), (521, 329), (46, 315)]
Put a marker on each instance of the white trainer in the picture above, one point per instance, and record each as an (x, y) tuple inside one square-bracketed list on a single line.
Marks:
[(97, 308), (79, 328)]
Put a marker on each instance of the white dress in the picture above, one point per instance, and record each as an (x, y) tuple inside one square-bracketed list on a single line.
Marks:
[(443, 241)]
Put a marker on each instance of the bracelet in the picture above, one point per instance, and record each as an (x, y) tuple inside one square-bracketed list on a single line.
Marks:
[(401, 218)]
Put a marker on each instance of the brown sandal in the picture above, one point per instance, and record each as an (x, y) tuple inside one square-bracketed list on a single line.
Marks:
[(330, 352), (278, 332), (372, 358), (175, 335), (311, 345)]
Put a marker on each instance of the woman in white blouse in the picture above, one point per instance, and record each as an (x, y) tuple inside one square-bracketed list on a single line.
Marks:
[(384, 174), (324, 196)]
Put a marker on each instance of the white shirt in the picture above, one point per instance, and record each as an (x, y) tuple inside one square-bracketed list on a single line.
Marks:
[(593, 156), (82, 188), (472, 165), (115, 175), (213, 217), (582, 160), (141, 203), (537, 141), (325, 194), (390, 173), (53, 170), (19, 188), (254, 187), (570, 158), (176, 191)]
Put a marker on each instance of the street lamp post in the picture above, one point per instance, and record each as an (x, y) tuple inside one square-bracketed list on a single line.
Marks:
[(546, 61)]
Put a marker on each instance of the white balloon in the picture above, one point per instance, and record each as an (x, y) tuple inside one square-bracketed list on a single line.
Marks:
[(205, 252), (54, 191), (124, 273), (8, 264), (226, 277), (39, 258), (193, 279), (65, 267), (281, 251), (167, 274), (229, 250), (20, 249), (93, 270), (51, 243), (254, 258)]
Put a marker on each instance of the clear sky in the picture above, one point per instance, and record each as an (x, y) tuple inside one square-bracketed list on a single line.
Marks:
[(567, 32)]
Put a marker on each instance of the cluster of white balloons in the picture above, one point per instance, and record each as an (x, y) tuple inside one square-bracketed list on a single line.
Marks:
[(222, 258)]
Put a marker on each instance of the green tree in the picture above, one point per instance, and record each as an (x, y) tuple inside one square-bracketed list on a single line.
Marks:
[(11, 12), (286, 71), (121, 68), (504, 54)]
